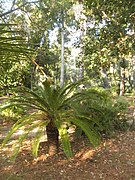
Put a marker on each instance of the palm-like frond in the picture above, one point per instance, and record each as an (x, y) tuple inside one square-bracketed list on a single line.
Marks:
[(39, 134), (16, 146), (10, 40), (20, 123), (65, 139), (89, 130)]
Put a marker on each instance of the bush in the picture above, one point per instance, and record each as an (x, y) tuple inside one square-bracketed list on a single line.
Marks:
[(107, 110), (120, 107)]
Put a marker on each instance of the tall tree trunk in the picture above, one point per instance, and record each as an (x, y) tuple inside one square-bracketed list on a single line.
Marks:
[(62, 51), (53, 139), (105, 79), (62, 59)]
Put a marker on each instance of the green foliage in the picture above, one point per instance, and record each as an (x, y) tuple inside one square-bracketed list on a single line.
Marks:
[(123, 63), (14, 62), (106, 113), (13, 113), (57, 106), (119, 120), (37, 138), (65, 141), (108, 39)]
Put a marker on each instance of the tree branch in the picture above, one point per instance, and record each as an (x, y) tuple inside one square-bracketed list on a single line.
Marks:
[(13, 3), (12, 10)]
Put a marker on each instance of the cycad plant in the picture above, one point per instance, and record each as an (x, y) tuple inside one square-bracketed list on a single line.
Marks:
[(57, 106)]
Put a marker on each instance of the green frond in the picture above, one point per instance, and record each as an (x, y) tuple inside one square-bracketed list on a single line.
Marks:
[(33, 97), (22, 103), (68, 100), (3, 25), (8, 31), (47, 88), (75, 97), (64, 136), (36, 142), (66, 90), (44, 97), (87, 118), (29, 127), (11, 38), (89, 130), (17, 146), (65, 140), (37, 138), (20, 123)]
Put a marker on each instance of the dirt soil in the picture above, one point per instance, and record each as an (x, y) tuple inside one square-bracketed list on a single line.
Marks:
[(114, 159)]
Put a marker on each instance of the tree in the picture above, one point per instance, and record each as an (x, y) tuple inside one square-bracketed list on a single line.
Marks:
[(38, 30), (109, 33)]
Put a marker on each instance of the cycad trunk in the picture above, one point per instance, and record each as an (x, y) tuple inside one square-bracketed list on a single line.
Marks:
[(53, 139)]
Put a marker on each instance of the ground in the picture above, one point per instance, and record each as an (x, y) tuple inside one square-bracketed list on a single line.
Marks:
[(114, 159)]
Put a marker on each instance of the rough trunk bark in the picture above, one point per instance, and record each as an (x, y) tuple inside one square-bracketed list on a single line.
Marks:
[(53, 139)]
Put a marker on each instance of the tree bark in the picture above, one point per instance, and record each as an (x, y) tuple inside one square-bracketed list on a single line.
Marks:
[(62, 59), (53, 139), (12, 10), (62, 50)]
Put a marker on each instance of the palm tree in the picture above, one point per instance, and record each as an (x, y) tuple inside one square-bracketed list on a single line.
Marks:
[(58, 107)]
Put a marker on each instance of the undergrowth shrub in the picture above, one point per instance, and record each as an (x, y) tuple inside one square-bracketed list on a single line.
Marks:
[(120, 108), (109, 111)]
